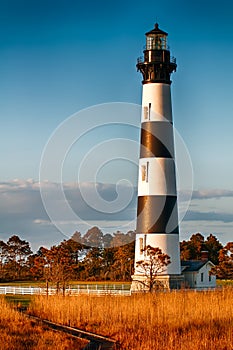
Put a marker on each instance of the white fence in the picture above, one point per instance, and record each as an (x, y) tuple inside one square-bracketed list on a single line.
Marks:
[(81, 289)]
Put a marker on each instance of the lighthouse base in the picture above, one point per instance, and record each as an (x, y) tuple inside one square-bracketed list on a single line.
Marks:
[(141, 284)]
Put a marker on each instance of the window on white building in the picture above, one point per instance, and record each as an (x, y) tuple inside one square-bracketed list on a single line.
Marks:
[(202, 277), (209, 278)]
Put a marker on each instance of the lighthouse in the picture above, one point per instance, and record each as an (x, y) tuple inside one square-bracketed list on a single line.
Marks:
[(157, 215)]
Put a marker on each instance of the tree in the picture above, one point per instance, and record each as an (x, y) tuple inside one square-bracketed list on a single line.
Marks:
[(192, 249), (17, 252), (56, 264), (107, 264), (36, 264), (154, 264), (93, 263), (3, 257), (213, 246), (224, 270), (74, 249), (77, 237), (107, 239), (123, 261), (93, 237)]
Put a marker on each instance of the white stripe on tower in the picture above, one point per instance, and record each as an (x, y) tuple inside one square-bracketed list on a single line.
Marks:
[(157, 217)]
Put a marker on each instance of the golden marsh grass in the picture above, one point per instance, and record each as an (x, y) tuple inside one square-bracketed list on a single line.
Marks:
[(172, 320), (19, 333)]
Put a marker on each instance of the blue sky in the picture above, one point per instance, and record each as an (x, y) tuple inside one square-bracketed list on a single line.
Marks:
[(58, 57)]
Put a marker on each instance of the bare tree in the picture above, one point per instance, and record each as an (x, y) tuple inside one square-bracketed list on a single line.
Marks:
[(154, 263)]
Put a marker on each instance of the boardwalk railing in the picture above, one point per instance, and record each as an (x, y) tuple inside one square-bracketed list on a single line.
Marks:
[(82, 289)]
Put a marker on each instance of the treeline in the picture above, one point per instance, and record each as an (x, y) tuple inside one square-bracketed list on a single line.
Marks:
[(95, 257)]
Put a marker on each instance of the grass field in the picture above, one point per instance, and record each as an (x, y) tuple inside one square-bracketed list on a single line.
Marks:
[(172, 320), (19, 333)]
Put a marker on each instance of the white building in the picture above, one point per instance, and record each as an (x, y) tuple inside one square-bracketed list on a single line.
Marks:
[(197, 274)]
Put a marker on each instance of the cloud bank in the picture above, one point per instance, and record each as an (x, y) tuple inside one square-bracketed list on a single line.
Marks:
[(22, 211)]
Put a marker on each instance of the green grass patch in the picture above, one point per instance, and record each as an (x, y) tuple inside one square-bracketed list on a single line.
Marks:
[(16, 300), (71, 283), (23, 284), (224, 283)]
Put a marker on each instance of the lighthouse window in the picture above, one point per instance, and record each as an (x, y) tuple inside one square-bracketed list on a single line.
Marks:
[(141, 245), (149, 111), (147, 170), (144, 171), (145, 250), (145, 112), (149, 43)]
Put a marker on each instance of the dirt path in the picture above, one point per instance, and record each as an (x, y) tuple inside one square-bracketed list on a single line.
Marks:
[(96, 342)]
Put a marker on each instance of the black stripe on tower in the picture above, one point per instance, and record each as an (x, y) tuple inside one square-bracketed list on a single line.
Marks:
[(157, 140), (154, 213)]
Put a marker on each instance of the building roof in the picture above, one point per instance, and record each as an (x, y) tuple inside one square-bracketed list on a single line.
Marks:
[(156, 30), (193, 265)]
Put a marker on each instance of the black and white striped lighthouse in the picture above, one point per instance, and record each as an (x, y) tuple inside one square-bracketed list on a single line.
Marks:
[(157, 216)]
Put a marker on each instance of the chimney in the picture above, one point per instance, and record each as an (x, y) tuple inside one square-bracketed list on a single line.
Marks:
[(204, 255)]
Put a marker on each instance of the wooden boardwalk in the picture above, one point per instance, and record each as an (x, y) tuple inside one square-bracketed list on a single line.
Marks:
[(96, 342)]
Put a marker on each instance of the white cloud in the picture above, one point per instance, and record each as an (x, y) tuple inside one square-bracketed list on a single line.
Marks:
[(207, 194)]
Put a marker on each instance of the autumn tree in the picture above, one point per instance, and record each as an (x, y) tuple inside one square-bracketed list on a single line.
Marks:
[(37, 264), (224, 269), (123, 261), (3, 258), (58, 266), (17, 252), (93, 264), (74, 249), (154, 263), (77, 237), (93, 237), (107, 239), (192, 249), (196, 246), (213, 246), (107, 263)]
